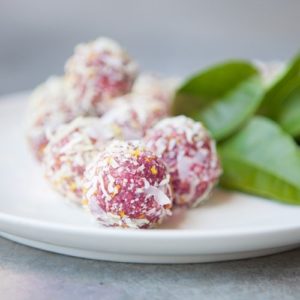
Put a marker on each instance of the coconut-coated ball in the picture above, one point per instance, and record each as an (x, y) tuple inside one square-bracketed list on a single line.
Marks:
[(48, 109), (131, 116), (68, 153), (157, 87), (190, 155), (98, 72), (128, 186)]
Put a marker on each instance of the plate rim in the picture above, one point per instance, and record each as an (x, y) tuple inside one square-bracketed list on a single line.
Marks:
[(155, 232)]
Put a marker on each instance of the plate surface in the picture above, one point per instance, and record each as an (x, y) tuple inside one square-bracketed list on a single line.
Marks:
[(229, 226)]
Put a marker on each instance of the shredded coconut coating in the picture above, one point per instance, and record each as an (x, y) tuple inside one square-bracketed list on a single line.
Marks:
[(69, 151), (98, 72), (131, 116), (157, 87), (48, 109), (128, 186), (270, 71), (190, 155)]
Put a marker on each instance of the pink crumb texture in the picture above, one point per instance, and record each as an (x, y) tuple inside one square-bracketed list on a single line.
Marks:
[(68, 153), (98, 72), (190, 155), (128, 186)]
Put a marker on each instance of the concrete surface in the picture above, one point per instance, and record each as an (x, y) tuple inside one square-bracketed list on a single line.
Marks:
[(168, 36), (27, 273)]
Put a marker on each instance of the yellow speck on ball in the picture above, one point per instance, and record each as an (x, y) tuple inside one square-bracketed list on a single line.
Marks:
[(84, 202), (116, 190), (109, 160), (153, 170), (136, 153), (73, 186), (116, 130)]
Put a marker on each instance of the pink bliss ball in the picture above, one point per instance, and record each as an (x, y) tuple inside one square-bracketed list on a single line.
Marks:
[(190, 155), (98, 72), (67, 154), (48, 109), (162, 89), (131, 116), (128, 186)]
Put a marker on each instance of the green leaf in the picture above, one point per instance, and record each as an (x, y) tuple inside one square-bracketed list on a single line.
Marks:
[(289, 114), (262, 159), (281, 101), (222, 97), (280, 90)]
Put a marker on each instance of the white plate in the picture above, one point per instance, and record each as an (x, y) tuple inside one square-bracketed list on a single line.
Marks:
[(230, 226)]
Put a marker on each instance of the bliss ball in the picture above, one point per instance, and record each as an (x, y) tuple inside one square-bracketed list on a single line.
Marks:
[(67, 154), (190, 155), (128, 186), (159, 88), (131, 116), (48, 109), (98, 72)]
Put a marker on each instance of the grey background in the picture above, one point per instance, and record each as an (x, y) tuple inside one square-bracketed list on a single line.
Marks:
[(172, 37)]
